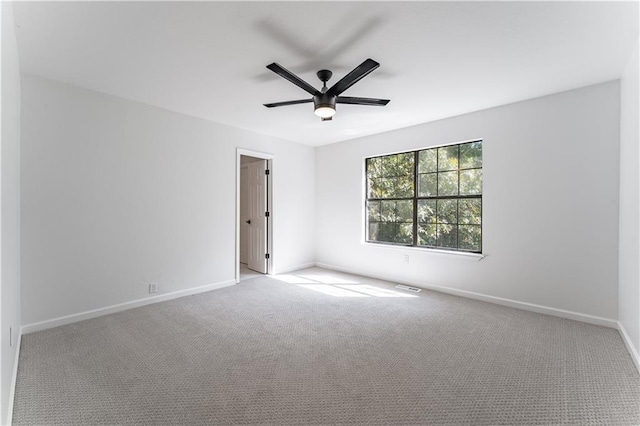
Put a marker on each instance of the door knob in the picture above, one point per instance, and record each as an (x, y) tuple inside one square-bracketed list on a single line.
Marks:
[(248, 221)]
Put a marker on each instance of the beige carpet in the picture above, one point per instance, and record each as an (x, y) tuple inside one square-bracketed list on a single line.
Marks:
[(318, 347)]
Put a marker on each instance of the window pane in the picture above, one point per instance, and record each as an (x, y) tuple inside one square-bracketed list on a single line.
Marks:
[(393, 187), (448, 158), (388, 166), (372, 188), (404, 187), (428, 185), (373, 211), (447, 236), (373, 232), (404, 173), (405, 233), (404, 164), (470, 211), (385, 188), (427, 211), (471, 182), (396, 211), (471, 155), (428, 161), (447, 211), (391, 232), (373, 167), (448, 183), (387, 211), (469, 237), (426, 235), (404, 211), (386, 232)]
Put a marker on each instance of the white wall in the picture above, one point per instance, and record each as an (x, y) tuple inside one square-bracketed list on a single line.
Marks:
[(117, 194), (629, 287), (10, 210), (550, 201)]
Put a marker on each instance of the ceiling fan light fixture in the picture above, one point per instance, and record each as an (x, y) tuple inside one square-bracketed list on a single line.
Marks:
[(324, 105), (325, 111)]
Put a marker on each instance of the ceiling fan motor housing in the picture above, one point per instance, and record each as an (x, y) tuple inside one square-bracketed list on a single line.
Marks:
[(324, 100)]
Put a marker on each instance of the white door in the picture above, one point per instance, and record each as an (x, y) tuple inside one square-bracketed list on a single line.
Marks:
[(258, 219), (244, 214)]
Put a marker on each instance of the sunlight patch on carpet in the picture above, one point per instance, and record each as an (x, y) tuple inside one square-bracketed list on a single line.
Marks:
[(333, 291)]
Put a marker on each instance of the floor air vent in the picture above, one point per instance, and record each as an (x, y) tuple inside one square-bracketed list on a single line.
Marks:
[(406, 287)]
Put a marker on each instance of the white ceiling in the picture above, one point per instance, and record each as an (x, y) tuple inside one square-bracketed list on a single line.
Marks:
[(438, 59)]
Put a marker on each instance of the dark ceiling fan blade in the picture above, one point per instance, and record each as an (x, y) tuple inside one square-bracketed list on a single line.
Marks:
[(361, 101), (353, 77), (279, 104), (286, 74)]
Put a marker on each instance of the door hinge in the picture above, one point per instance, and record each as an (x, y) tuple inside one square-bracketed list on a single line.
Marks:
[(266, 172), (266, 214), (266, 256)]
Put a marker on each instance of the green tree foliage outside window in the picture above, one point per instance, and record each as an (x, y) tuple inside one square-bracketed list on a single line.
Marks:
[(428, 198)]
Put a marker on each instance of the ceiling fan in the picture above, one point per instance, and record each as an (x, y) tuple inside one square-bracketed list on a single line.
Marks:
[(325, 99)]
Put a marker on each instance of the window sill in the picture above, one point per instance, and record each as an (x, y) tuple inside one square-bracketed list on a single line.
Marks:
[(461, 254)]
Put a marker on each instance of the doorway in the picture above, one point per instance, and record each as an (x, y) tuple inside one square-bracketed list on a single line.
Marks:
[(254, 214)]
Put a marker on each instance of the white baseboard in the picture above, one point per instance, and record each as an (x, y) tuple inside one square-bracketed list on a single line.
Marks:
[(627, 342), (69, 319), (14, 378), (590, 319), (288, 269)]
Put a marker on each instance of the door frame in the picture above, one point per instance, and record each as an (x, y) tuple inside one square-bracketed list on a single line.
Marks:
[(270, 159)]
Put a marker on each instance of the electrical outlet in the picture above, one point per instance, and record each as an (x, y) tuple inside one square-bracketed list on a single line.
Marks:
[(406, 258), (153, 288)]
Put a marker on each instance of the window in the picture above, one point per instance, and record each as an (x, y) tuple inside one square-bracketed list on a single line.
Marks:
[(429, 198)]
